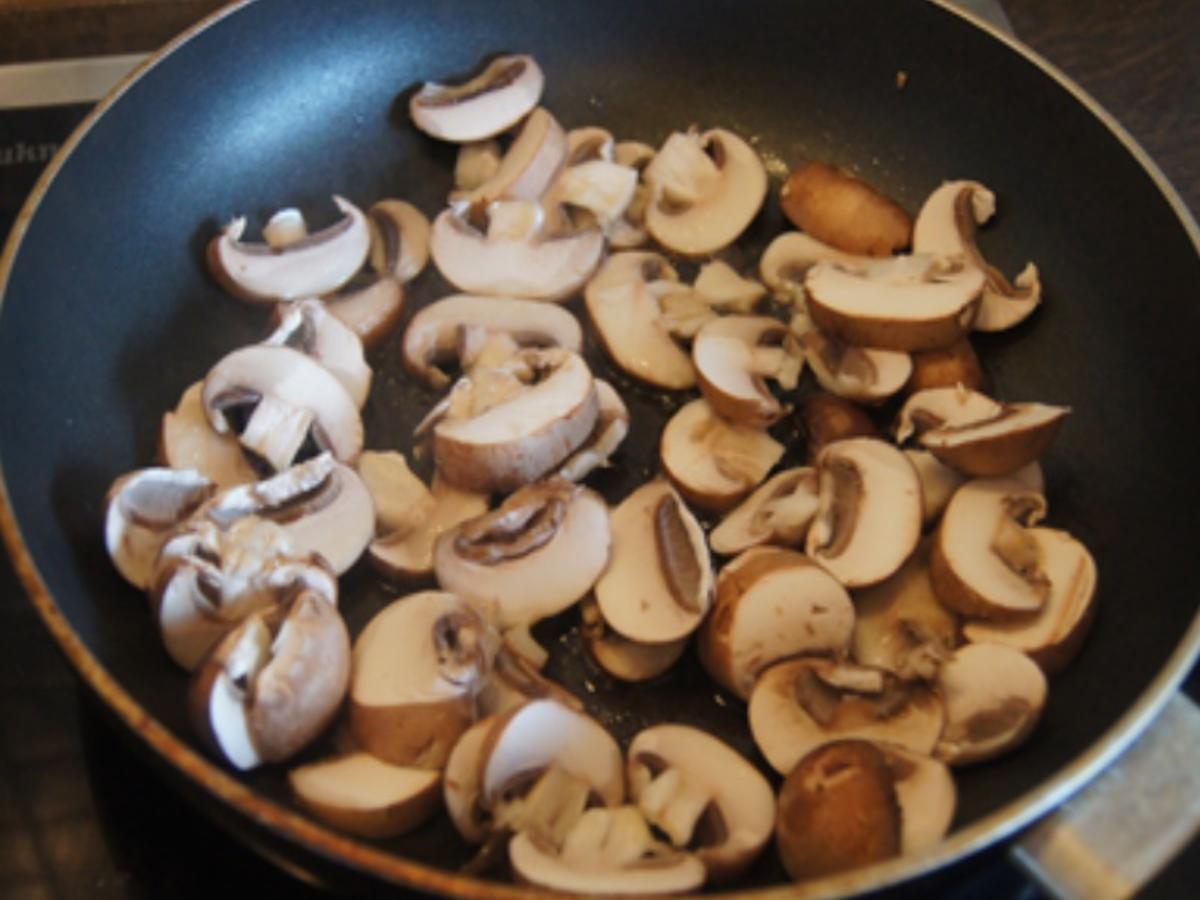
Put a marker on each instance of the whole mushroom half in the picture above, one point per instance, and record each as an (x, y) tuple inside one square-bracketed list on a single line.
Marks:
[(494, 100)]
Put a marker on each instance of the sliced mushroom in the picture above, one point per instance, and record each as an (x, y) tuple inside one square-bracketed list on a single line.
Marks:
[(927, 796), (400, 240), (527, 169), (142, 510), (659, 582), (629, 231), (592, 192), (772, 604), (495, 99), (1015, 437), (308, 327), (363, 795), (476, 162), (713, 462), (370, 308), (620, 657), (401, 500), (799, 704), (435, 333), (939, 481), (946, 225), (188, 441), (417, 666), (985, 561), (843, 211), (903, 303), (947, 366), (856, 373), (838, 809), (724, 289), (704, 795), (869, 519), (532, 557), (281, 399), (274, 683), (943, 407), (779, 512), (825, 418), (612, 425), (317, 264), (900, 625), (707, 188), (734, 355), (408, 554), (526, 435), (788, 258), (1052, 636), (994, 698), (623, 302)]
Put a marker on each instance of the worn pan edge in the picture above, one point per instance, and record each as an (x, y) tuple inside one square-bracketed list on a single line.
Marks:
[(334, 846)]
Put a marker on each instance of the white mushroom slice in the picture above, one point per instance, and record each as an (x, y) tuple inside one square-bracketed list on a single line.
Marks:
[(187, 441), (290, 398), (319, 263), (771, 604), (401, 500), (797, 705), (715, 803), (623, 303), (274, 683), (308, 327), (715, 463), (527, 170), (869, 520), (724, 289), (610, 852), (534, 267), (994, 697), (788, 258), (734, 355), (856, 373), (523, 436), (779, 512), (285, 227), (416, 669), (707, 188), (938, 483), (1052, 636), (142, 510), (659, 583), (365, 796), (946, 225), (926, 794), (943, 407), (612, 425), (620, 657), (476, 163), (629, 232), (902, 303), (1011, 440), (434, 334), (494, 100), (900, 625), (322, 505), (370, 310), (532, 557), (400, 240), (985, 561), (407, 555)]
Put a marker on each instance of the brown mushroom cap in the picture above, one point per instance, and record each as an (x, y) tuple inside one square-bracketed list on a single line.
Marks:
[(499, 96), (835, 207), (825, 418), (954, 364)]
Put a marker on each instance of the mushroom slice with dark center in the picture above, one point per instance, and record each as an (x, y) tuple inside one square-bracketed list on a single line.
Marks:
[(281, 399), (527, 434), (734, 355), (799, 704), (400, 240), (900, 625), (825, 418), (623, 659), (407, 553), (274, 683), (856, 373), (985, 561), (838, 809), (789, 257), (308, 327), (434, 334), (527, 169), (623, 301), (772, 604), (187, 441), (927, 796), (531, 558), (869, 519), (1012, 439), (612, 425), (1053, 635), (704, 795), (904, 303), (707, 188), (370, 307), (843, 211), (316, 264), (417, 667), (658, 584), (943, 407), (714, 462), (142, 510), (494, 100), (947, 224), (994, 697), (779, 512)]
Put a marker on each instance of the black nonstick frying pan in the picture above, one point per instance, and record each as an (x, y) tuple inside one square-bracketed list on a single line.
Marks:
[(108, 314)]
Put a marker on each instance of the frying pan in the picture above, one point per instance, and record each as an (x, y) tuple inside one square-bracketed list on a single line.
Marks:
[(108, 315)]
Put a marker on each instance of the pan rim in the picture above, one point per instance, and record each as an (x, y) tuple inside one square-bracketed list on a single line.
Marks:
[(369, 859)]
